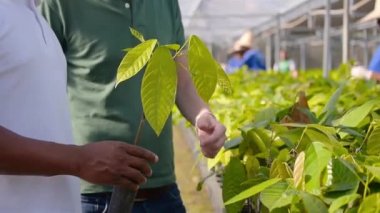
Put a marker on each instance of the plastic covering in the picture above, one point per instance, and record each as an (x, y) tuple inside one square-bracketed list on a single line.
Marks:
[(224, 20)]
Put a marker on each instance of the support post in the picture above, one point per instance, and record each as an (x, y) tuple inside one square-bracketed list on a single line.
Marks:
[(302, 57), (326, 41), (365, 48), (277, 41), (346, 31), (268, 52)]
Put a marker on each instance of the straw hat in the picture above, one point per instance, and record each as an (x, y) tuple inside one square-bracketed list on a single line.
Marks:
[(245, 41), (374, 14)]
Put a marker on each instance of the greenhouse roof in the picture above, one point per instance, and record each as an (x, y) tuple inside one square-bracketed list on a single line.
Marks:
[(225, 20), (212, 19)]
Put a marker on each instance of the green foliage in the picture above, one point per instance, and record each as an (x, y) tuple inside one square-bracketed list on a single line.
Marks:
[(313, 204), (223, 80), (342, 201), (158, 88), (277, 196), (203, 68), (135, 60), (235, 175), (252, 191), (370, 204), (373, 141), (159, 84), (316, 160), (137, 34), (320, 152), (174, 47), (344, 177), (355, 116)]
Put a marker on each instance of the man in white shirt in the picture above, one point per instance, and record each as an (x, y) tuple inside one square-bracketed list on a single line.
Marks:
[(36, 151)]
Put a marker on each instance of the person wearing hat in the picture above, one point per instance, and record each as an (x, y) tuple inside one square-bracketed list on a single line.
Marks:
[(373, 70), (242, 54)]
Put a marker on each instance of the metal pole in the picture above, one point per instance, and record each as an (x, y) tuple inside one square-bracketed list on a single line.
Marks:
[(277, 42), (268, 52), (310, 20), (302, 56), (365, 49), (326, 41), (346, 31)]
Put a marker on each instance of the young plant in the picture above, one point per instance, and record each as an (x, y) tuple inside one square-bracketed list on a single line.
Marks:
[(159, 86)]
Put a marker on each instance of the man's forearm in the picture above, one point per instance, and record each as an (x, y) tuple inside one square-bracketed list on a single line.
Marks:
[(188, 101), (25, 156)]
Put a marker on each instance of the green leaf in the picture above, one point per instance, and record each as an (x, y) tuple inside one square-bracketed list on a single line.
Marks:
[(174, 47), (159, 88), (297, 206), (135, 60), (354, 117), (373, 142), (313, 204), (276, 196), (344, 177), (254, 181), (234, 175), (127, 49), (342, 201), (344, 132), (137, 34), (252, 166), (374, 170), (256, 143), (223, 80), (298, 176), (280, 170), (370, 204), (330, 107), (284, 155), (291, 137), (252, 191), (233, 143), (268, 115), (203, 69), (316, 160), (328, 138)]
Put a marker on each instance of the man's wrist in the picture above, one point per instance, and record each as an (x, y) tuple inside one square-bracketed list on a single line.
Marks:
[(73, 166), (202, 113)]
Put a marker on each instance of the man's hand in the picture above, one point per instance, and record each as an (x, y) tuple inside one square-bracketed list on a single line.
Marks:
[(210, 132), (115, 163)]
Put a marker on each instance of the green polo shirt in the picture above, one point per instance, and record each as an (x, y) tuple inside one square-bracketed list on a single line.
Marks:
[(93, 34)]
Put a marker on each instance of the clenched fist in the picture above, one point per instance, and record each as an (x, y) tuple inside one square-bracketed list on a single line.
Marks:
[(210, 132)]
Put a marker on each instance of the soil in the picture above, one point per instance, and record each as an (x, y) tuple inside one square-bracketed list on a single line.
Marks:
[(188, 177)]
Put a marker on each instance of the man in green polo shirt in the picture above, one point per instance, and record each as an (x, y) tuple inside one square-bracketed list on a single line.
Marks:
[(93, 34)]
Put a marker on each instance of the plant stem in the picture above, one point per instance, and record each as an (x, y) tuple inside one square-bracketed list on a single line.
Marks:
[(139, 130), (180, 50), (366, 186), (122, 198)]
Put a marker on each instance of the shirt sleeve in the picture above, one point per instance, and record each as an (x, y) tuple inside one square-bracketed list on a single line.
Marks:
[(53, 13), (179, 31), (374, 66)]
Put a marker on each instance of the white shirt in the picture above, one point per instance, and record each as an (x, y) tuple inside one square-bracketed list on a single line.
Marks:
[(33, 103)]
